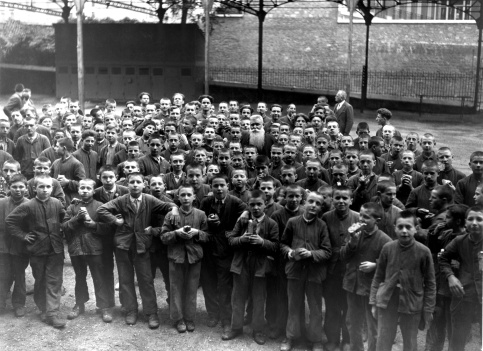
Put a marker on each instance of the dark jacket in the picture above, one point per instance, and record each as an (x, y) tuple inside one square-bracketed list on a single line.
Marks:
[(312, 236), (7, 242), (267, 145), (26, 152), (150, 213), (42, 219), (345, 117), (89, 160), (267, 229), (411, 270), (149, 166), (73, 170), (100, 194), (57, 191)]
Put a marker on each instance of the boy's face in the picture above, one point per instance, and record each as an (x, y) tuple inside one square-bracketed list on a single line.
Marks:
[(284, 129), (219, 188), (407, 160), (313, 205), (388, 196), (76, 133), (363, 143), (100, 130), (445, 158), (17, 117), (88, 143), (86, 122), (411, 141), (155, 147), (381, 120), (478, 196), (474, 223), (352, 159), (362, 130), (223, 107), (127, 137), (165, 105), (8, 170), (212, 170), (108, 178), (327, 197), (175, 115), (435, 201), (339, 176), (262, 170), (31, 127), (297, 131), (261, 108), (275, 131), (69, 121), (288, 177), (427, 144), (430, 175), (396, 147), (18, 190), (177, 163), (308, 153), (169, 130), (200, 157), (130, 167), (268, 189), (41, 169), (333, 128), (317, 122), (136, 185), (235, 133), (127, 124), (4, 128), (235, 147), (47, 123), (209, 157), (233, 106), (44, 188), (133, 152), (86, 190), (194, 177), (237, 161), (293, 198), (186, 197), (283, 139), (388, 132), (300, 122), (157, 186), (111, 135), (110, 107), (309, 134), (218, 145), (276, 155), (239, 179), (322, 145), (224, 159), (366, 163), (289, 153), (234, 118), (209, 133), (342, 200), (187, 126), (405, 230), (335, 158), (369, 218), (256, 206), (196, 140), (173, 141), (346, 141), (250, 155), (476, 165), (213, 123), (312, 169), (148, 130)]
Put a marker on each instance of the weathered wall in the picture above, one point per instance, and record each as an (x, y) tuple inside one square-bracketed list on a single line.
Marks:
[(296, 37)]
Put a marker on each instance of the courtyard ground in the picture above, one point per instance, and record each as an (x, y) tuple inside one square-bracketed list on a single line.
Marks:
[(88, 332)]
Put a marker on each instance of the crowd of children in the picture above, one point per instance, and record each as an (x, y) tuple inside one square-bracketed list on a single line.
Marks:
[(271, 214)]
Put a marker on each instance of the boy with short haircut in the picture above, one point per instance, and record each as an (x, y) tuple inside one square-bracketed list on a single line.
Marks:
[(403, 289), (407, 178), (76, 135), (81, 230), (253, 240), (101, 140), (338, 222), (127, 137), (13, 255), (133, 214), (346, 142), (153, 163), (108, 152), (412, 140), (312, 182), (360, 254), (478, 195), (289, 175), (386, 194), (105, 193), (465, 188), (184, 254), (393, 157), (86, 155), (267, 185), (262, 166), (173, 141), (9, 169), (67, 169), (428, 144), (322, 141), (37, 222), (387, 134), (419, 197), (448, 175), (237, 160), (6, 144), (352, 160), (42, 167), (464, 285), (276, 161), (133, 153), (239, 185), (177, 177), (224, 162), (194, 175), (363, 185), (305, 242)]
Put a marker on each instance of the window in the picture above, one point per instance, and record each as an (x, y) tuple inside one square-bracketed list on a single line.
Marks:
[(103, 70), (90, 70), (144, 71)]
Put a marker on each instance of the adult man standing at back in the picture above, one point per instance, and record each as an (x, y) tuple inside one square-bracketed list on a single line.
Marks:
[(343, 112), (15, 102)]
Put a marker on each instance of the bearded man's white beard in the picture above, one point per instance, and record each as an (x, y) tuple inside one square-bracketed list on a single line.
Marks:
[(257, 138)]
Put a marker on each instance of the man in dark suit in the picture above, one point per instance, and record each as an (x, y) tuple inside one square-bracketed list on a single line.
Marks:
[(15, 102), (258, 136), (343, 112)]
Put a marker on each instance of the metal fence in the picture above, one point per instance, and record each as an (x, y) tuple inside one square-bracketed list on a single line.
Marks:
[(401, 84)]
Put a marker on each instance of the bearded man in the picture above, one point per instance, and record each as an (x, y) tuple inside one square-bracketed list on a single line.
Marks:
[(257, 136)]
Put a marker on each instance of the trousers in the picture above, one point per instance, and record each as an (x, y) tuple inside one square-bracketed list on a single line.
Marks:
[(183, 285), (80, 264)]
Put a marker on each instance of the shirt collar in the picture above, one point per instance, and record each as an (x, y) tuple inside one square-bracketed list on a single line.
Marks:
[(140, 198), (259, 220), (308, 220)]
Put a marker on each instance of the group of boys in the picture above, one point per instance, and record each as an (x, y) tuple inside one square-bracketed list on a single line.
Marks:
[(263, 211)]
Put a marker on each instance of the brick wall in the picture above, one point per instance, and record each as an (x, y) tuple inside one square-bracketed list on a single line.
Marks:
[(298, 36)]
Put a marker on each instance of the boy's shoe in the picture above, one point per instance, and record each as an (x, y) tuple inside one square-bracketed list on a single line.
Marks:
[(76, 311), (181, 326), (153, 321), (131, 317), (259, 338), (56, 322), (286, 345), (19, 312), (43, 317), (212, 322), (231, 334), (190, 326), (317, 346), (107, 315), (273, 333)]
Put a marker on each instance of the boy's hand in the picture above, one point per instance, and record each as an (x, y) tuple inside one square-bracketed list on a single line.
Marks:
[(455, 287), (374, 311), (90, 224), (428, 318), (213, 219), (367, 266), (175, 220), (30, 238), (194, 232), (182, 234), (147, 230), (63, 180), (256, 239), (245, 238), (119, 220), (245, 214), (304, 253), (81, 215)]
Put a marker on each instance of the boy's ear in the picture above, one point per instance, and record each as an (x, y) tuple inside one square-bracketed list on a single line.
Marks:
[(378, 220)]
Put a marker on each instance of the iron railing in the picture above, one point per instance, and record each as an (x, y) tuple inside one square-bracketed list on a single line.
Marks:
[(401, 84)]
